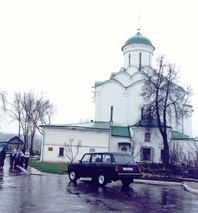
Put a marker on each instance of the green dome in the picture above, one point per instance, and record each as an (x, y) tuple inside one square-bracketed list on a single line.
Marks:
[(138, 38)]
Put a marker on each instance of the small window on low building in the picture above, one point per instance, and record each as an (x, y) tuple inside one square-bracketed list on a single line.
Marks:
[(147, 137), (50, 149), (92, 150), (61, 151), (146, 154)]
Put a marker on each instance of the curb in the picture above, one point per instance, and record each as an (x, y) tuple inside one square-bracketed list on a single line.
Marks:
[(153, 182), (26, 172), (164, 183), (23, 170), (189, 189)]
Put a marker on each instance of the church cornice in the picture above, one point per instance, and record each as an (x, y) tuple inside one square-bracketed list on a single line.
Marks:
[(113, 80), (138, 50)]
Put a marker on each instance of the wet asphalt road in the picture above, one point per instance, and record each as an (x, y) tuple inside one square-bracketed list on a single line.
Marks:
[(41, 192)]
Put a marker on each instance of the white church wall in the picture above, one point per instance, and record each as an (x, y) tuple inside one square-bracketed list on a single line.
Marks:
[(111, 94), (126, 102), (135, 102), (137, 77), (183, 125), (124, 78), (132, 70), (187, 121), (54, 139)]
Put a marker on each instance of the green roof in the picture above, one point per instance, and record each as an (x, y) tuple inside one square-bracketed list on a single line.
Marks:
[(89, 125), (118, 131), (98, 83), (179, 136), (138, 38), (147, 122), (113, 74)]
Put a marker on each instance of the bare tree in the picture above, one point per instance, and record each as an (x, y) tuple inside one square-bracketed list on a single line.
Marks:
[(3, 104), (3, 100), (163, 98), (41, 114), (30, 111), (176, 154), (194, 154), (69, 150), (135, 149)]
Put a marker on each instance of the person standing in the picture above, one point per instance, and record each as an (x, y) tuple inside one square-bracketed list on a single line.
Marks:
[(21, 158), (1, 157), (12, 155), (26, 157), (17, 156)]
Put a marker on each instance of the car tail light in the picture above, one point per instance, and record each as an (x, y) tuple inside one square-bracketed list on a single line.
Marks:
[(138, 168), (116, 168)]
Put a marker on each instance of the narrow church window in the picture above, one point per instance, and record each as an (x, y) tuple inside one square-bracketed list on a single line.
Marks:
[(142, 113), (140, 61), (149, 60), (129, 59)]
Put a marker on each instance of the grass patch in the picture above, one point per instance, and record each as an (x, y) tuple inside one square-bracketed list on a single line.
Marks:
[(57, 168)]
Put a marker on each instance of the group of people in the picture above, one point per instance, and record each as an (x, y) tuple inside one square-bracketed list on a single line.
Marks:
[(19, 158), (2, 156)]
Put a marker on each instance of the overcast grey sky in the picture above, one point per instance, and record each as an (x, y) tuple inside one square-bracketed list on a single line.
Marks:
[(63, 47)]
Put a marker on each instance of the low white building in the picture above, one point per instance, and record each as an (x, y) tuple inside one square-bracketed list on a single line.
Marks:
[(94, 136), (118, 106), (142, 140)]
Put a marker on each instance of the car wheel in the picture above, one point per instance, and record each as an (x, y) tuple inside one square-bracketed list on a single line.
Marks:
[(127, 182), (72, 176), (101, 180)]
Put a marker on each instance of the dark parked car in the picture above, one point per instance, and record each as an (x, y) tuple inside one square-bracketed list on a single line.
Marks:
[(105, 167)]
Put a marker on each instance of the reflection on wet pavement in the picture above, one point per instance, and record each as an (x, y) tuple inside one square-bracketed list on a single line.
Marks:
[(44, 192), (136, 198)]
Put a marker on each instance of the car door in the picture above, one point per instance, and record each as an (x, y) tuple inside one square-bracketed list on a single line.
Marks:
[(83, 167), (95, 164)]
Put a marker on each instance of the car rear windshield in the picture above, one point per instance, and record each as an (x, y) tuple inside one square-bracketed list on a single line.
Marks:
[(123, 159)]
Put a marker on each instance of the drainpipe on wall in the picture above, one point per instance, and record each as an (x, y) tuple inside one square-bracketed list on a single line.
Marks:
[(109, 137), (111, 121), (43, 139)]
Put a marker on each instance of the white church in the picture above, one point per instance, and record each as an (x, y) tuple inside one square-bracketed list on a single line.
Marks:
[(118, 106)]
